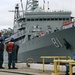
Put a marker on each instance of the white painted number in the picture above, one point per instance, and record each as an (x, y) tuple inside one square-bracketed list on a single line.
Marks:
[(56, 42)]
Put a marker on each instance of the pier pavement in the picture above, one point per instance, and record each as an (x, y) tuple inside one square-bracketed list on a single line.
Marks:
[(22, 70), (26, 71), (34, 69)]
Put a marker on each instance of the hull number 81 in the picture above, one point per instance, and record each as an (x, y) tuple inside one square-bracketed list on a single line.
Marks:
[(56, 42)]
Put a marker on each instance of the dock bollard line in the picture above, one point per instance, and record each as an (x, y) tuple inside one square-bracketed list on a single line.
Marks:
[(53, 57)]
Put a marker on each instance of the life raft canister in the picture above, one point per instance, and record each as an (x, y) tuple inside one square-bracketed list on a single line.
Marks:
[(10, 46)]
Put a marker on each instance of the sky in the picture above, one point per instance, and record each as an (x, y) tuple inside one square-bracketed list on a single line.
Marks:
[(7, 18)]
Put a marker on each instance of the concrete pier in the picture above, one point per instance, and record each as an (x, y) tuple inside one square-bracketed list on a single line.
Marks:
[(34, 69), (24, 70)]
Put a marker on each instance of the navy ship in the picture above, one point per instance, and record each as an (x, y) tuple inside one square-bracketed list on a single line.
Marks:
[(43, 33)]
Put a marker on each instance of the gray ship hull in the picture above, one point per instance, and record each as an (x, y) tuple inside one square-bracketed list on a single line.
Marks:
[(48, 45)]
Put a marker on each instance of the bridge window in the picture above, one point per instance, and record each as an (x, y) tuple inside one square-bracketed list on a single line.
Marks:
[(47, 19), (28, 19)]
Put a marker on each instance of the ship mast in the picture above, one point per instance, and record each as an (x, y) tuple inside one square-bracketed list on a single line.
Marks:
[(31, 5), (16, 15), (16, 12)]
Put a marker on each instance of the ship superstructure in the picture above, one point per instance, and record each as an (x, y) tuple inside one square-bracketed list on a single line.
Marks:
[(38, 21)]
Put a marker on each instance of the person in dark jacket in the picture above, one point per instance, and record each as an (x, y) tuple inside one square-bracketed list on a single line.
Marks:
[(1, 52), (17, 48), (11, 49)]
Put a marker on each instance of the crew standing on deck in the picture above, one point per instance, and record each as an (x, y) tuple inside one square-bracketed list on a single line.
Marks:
[(1, 52), (11, 49)]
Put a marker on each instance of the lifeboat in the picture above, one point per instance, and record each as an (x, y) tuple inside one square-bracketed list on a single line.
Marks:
[(68, 24)]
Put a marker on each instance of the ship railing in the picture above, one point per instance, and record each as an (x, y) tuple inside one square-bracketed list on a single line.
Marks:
[(53, 57)]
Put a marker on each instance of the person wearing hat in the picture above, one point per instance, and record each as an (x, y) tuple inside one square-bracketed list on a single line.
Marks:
[(10, 48), (1, 52)]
